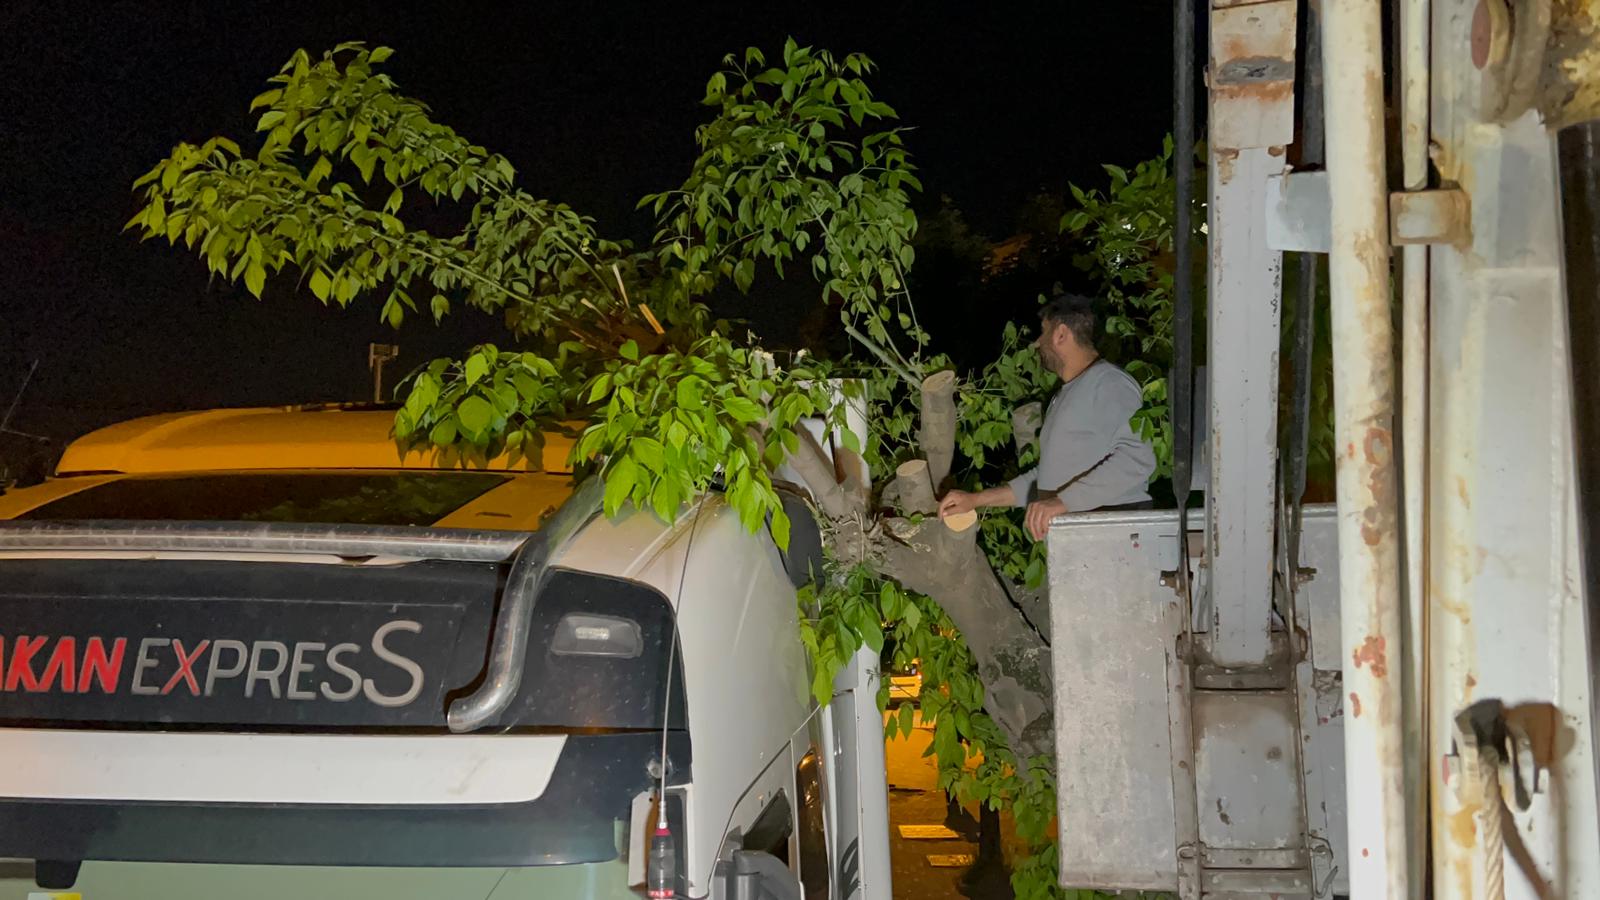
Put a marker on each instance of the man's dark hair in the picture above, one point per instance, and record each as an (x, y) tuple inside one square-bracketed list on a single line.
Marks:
[(1074, 311)]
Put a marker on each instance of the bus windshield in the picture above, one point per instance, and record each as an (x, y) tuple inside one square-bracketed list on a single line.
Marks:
[(341, 498)]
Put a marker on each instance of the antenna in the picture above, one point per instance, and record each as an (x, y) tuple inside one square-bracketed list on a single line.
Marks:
[(377, 355), (661, 865), (17, 398)]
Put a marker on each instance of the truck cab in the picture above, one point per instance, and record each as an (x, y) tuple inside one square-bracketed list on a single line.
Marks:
[(265, 653)]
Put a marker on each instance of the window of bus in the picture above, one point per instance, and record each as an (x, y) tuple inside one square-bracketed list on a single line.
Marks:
[(814, 868)]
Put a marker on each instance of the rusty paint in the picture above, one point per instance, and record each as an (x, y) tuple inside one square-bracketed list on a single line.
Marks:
[(1373, 652), (1225, 160), (1548, 736), (1274, 754), (1223, 814), (1371, 534), (1365, 852), (1461, 492), (1355, 705), (1568, 93), (1379, 446), (1262, 93), (1463, 827)]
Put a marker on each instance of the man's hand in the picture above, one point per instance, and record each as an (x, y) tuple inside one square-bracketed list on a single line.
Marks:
[(957, 502), (1040, 512)]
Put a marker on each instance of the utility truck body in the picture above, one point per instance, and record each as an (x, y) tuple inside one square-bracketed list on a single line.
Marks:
[(1392, 695)]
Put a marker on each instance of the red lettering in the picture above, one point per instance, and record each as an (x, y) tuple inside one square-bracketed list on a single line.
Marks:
[(2, 663), (185, 667), (21, 670), (61, 660), (97, 665)]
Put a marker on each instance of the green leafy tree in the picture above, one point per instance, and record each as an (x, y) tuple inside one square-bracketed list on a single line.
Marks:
[(800, 170)]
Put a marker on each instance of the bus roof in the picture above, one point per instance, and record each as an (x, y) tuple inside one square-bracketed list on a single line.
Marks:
[(274, 438)]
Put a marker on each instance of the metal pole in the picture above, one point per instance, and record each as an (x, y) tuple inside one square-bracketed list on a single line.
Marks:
[(1580, 208), (1182, 393), (1363, 348), (1304, 346), (17, 398), (1415, 33)]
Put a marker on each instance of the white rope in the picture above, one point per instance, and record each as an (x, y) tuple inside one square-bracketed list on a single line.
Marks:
[(1491, 824)]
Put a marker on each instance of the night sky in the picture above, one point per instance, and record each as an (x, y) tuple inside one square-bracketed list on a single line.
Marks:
[(594, 102)]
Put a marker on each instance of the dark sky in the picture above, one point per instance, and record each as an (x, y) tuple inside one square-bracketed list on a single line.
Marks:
[(594, 102)]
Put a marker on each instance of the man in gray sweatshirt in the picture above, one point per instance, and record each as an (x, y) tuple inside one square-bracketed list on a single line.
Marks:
[(1089, 456)]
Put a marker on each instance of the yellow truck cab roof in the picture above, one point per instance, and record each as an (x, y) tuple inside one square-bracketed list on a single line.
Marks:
[(285, 444)]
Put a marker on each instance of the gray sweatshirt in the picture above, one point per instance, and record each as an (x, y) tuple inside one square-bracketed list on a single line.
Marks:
[(1088, 453)]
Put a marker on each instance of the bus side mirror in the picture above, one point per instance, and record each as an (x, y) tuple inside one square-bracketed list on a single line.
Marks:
[(754, 875)]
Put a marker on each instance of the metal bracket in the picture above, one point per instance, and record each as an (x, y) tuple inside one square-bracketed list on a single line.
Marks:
[(1299, 221), (1485, 737), (1298, 216), (1429, 217)]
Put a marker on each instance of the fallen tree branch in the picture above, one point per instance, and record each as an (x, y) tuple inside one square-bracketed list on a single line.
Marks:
[(810, 461), (945, 563)]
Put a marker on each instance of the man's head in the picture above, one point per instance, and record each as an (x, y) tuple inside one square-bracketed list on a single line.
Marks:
[(1066, 332)]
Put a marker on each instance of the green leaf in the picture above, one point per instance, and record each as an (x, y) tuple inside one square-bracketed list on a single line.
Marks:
[(475, 414), (527, 387), (677, 435), (379, 54), (689, 393), (913, 616), (477, 366), (320, 284), (443, 434), (629, 351), (716, 86), (319, 170), (743, 409), (255, 278), (780, 528), (620, 479), (821, 686), (265, 99), (649, 452), (743, 274)]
